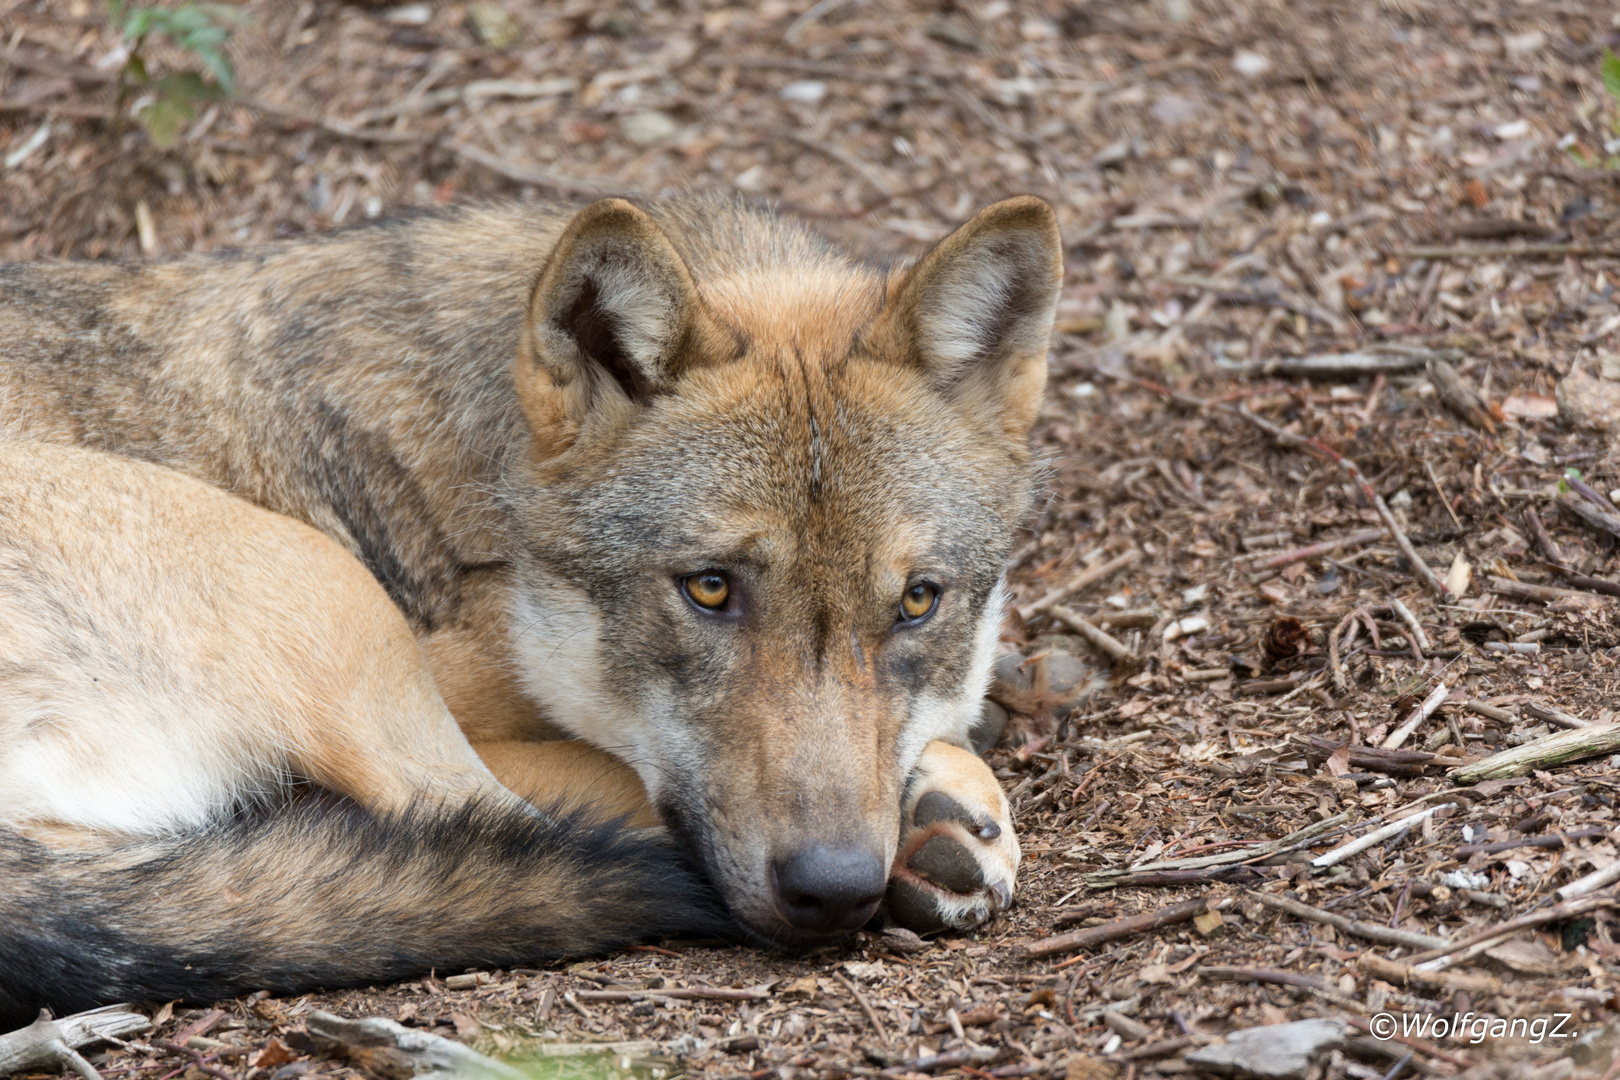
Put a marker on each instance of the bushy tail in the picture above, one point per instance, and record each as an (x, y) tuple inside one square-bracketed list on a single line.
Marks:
[(327, 895)]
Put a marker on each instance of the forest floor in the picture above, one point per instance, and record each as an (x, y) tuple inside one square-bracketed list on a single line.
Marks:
[(1296, 233)]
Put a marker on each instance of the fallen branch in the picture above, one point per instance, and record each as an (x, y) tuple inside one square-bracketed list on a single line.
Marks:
[(1406, 975), (423, 1050), (1075, 940), (1592, 882), (690, 993), (48, 1044), (523, 174), (1505, 251), (1108, 879), (1405, 613), (1598, 518), (1587, 583), (1470, 945), (1555, 716), (1374, 758), (1559, 748), (1384, 935), (1218, 973), (1418, 715), (1311, 551), (1230, 293), (951, 1059), (1524, 590), (1350, 365), (1093, 633), (1235, 875), (568, 185), (1377, 836), (1456, 394), (1589, 493), (1546, 841), (1501, 716), (1159, 1049), (199, 1061), (866, 1007), (1083, 580), (1340, 683), (838, 155), (1419, 1045), (336, 127), (475, 91), (1543, 540)]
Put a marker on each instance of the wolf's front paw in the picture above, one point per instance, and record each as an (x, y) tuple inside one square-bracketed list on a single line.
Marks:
[(958, 856)]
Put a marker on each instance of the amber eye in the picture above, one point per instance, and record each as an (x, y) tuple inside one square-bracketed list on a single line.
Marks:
[(707, 590), (918, 601)]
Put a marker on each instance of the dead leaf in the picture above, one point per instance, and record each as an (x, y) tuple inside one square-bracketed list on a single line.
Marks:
[(274, 1053), (1529, 405), (1528, 955), (805, 987), (1338, 762), (1086, 1067), (1458, 576)]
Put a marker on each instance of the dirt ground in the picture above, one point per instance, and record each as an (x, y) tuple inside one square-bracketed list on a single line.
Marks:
[(1414, 184)]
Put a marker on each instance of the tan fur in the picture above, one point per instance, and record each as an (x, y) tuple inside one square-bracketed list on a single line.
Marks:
[(192, 641), (530, 424)]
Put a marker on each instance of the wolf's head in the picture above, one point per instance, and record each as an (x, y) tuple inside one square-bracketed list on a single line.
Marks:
[(764, 520)]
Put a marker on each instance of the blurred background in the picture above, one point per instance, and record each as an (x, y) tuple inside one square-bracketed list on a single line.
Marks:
[(1154, 126)]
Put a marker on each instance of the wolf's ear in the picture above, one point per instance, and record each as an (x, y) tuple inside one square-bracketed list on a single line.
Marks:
[(976, 312), (613, 313)]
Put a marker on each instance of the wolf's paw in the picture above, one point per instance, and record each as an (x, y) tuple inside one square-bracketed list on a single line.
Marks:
[(958, 856)]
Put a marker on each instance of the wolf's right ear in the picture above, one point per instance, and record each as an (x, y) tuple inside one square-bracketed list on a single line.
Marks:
[(614, 316)]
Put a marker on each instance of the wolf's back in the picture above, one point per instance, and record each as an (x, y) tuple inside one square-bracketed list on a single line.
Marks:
[(327, 895)]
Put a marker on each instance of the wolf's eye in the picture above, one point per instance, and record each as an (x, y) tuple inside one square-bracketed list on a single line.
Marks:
[(918, 602), (707, 590)]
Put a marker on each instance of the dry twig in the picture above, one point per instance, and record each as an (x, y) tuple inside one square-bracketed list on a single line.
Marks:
[(866, 1007), (1098, 935), (1093, 633), (1370, 931), (54, 1044)]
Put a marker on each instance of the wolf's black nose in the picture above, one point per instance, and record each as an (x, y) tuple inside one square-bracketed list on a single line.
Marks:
[(830, 890)]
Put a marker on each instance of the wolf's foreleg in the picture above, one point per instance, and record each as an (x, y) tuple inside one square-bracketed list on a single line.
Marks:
[(958, 858), (573, 775)]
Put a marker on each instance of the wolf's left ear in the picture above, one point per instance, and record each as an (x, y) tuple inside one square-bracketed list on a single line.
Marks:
[(976, 312), (614, 316)]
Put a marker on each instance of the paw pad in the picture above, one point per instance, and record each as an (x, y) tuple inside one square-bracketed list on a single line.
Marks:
[(938, 806)]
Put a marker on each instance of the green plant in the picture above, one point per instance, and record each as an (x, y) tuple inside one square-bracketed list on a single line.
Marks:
[(1609, 69), (175, 99)]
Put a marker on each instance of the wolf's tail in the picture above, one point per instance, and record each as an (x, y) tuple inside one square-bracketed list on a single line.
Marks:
[(329, 895)]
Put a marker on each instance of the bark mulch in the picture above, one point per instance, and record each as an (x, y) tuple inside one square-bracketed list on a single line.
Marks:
[(1330, 447)]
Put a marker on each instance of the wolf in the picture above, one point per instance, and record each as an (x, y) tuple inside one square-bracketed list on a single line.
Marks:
[(500, 584)]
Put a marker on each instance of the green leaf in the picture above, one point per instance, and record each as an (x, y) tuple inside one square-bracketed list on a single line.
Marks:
[(215, 60), (164, 118), (1573, 472), (1611, 73)]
